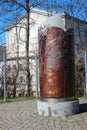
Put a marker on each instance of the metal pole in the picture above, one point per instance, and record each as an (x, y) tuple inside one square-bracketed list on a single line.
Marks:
[(4, 60), (86, 71), (36, 63)]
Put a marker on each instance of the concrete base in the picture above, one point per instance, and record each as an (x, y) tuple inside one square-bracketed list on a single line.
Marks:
[(57, 107)]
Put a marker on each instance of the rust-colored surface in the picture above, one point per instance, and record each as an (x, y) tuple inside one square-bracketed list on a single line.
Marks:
[(56, 63)]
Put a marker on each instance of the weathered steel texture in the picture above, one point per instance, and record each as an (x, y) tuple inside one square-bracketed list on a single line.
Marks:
[(42, 43), (56, 63)]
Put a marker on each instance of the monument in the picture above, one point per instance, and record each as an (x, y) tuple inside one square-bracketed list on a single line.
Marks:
[(56, 69)]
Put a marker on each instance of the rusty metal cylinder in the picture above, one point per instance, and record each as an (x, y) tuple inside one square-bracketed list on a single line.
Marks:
[(56, 63)]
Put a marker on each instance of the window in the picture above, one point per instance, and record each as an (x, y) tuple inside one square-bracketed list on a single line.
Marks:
[(20, 66), (14, 66), (8, 67), (21, 79), (2, 67)]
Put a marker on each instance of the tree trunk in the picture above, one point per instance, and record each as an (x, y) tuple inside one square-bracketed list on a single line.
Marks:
[(27, 48)]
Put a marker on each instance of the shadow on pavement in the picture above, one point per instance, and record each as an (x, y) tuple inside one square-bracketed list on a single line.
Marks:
[(83, 107)]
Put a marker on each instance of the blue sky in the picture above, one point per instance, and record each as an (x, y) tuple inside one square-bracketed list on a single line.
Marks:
[(2, 38), (7, 17), (5, 20)]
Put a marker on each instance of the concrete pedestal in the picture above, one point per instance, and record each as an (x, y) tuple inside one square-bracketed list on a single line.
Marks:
[(57, 107)]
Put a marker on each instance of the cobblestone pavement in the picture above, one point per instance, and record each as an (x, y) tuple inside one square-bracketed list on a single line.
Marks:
[(23, 116)]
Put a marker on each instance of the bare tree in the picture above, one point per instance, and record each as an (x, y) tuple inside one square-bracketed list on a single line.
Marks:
[(9, 7), (27, 46), (19, 6)]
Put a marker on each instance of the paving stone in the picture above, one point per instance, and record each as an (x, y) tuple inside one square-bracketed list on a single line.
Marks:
[(23, 116)]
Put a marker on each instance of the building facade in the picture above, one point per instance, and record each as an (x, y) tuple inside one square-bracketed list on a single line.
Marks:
[(16, 49)]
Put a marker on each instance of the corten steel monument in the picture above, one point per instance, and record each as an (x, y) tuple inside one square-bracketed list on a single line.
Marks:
[(56, 69)]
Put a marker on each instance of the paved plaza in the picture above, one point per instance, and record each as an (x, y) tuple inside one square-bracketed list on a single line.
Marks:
[(23, 116)]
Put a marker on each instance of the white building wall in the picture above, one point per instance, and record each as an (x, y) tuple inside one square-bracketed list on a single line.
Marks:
[(80, 33), (80, 41), (38, 18)]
